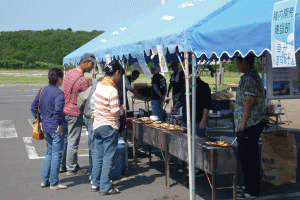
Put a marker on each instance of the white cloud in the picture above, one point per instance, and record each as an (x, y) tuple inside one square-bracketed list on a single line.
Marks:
[(115, 33), (122, 29), (186, 4), (103, 40), (291, 37), (167, 17)]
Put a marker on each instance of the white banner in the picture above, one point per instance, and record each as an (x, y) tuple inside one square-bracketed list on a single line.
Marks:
[(283, 34), (162, 60), (141, 59), (108, 58)]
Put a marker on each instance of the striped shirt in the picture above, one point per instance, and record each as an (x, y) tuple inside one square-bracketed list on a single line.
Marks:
[(81, 85), (107, 110)]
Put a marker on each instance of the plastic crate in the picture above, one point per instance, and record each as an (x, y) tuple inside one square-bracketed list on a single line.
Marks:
[(118, 160)]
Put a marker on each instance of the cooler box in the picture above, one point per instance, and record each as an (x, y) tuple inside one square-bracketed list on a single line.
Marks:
[(118, 160)]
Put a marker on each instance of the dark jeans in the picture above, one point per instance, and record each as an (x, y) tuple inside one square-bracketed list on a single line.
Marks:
[(248, 154)]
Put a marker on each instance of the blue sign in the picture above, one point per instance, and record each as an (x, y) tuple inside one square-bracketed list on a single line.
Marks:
[(283, 34)]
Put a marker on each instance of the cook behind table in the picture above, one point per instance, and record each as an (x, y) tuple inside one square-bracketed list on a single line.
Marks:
[(75, 82), (249, 118), (158, 92), (203, 104), (51, 110), (176, 82)]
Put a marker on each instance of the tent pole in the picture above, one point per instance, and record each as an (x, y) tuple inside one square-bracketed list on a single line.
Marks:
[(194, 72), (186, 70), (216, 76), (125, 135)]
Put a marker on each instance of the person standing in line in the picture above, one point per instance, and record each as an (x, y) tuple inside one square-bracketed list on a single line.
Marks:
[(158, 92), (106, 125), (51, 110), (249, 116), (75, 82), (87, 114), (176, 82)]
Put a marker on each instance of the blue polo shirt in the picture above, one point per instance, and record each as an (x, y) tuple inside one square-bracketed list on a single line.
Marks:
[(51, 108)]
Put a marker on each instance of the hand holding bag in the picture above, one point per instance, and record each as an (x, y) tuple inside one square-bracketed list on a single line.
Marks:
[(38, 133)]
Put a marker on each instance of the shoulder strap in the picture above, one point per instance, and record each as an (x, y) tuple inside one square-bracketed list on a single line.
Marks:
[(38, 112), (75, 82)]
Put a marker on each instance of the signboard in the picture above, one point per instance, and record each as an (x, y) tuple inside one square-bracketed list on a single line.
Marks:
[(283, 34), (162, 60), (141, 59), (283, 83), (108, 58)]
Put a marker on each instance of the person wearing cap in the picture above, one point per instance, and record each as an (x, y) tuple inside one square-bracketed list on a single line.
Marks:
[(158, 92), (176, 82), (105, 115), (74, 83), (249, 117)]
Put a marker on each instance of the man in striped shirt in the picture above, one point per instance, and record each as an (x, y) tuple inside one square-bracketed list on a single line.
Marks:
[(106, 125), (74, 83)]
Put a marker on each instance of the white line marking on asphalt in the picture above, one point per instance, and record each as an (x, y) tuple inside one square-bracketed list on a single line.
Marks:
[(7, 129), (32, 154), (31, 122)]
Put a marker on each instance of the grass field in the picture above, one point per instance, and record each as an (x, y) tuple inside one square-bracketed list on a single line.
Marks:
[(15, 77), (229, 78)]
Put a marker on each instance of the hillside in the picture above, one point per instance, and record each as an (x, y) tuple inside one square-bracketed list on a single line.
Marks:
[(48, 46)]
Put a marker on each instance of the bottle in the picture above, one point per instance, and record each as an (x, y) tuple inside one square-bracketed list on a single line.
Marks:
[(278, 107), (279, 104)]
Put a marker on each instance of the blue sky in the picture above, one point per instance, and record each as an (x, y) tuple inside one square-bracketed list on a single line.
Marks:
[(85, 15)]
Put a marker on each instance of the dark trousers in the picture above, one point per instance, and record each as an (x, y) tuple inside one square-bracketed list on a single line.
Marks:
[(248, 154)]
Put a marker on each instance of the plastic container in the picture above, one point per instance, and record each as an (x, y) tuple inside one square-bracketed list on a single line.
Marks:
[(118, 160)]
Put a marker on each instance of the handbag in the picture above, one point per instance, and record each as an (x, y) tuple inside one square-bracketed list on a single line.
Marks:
[(38, 133)]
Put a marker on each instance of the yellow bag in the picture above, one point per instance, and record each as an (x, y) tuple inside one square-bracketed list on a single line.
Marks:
[(38, 133), (279, 157)]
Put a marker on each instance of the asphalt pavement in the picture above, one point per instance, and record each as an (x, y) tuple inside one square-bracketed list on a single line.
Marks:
[(21, 161)]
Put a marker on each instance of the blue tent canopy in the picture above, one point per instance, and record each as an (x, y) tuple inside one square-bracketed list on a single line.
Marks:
[(212, 27)]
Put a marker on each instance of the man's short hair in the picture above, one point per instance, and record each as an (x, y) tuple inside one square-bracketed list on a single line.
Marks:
[(135, 72)]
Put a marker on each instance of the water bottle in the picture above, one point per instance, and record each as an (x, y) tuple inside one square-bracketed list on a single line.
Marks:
[(278, 106)]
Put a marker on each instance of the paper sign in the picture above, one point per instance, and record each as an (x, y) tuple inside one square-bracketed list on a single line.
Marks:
[(141, 59), (162, 60), (283, 34), (108, 58)]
